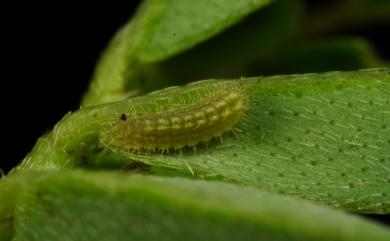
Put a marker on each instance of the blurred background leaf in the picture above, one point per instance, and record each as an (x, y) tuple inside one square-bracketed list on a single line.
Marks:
[(80, 205), (336, 16), (158, 30), (318, 56), (158, 48), (228, 55)]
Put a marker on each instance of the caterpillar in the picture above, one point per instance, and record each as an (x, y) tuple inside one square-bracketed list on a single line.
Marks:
[(190, 115)]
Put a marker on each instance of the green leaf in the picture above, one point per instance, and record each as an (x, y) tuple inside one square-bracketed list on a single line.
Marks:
[(159, 30), (182, 24), (323, 137), (318, 56), (229, 54), (80, 205), (8, 196)]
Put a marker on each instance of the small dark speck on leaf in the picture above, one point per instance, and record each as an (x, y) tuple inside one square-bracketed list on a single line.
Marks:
[(123, 117)]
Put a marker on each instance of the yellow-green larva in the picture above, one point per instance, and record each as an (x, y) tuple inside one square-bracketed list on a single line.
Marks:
[(182, 125)]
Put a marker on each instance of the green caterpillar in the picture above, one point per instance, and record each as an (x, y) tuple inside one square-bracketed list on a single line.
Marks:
[(191, 115)]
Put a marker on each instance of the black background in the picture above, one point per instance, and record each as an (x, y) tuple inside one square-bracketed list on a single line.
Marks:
[(50, 50)]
